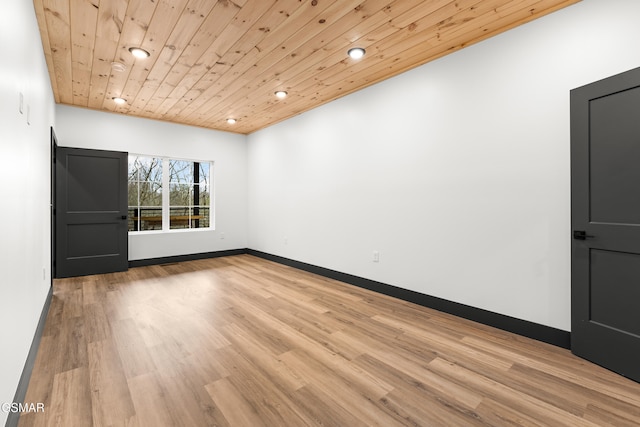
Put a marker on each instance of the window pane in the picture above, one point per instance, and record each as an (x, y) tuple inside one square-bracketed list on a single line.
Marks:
[(149, 169), (132, 169), (151, 218), (201, 217), (204, 199), (132, 222), (144, 193), (180, 171), (205, 168), (189, 198), (189, 217), (132, 193), (150, 194), (179, 218), (181, 195)]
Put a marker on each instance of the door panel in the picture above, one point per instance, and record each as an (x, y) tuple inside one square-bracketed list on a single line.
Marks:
[(614, 293), (614, 133), (91, 209), (91, 183), (605, 217)]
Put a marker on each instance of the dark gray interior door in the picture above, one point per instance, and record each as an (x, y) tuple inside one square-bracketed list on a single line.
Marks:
[(605, 216), (91, 212)]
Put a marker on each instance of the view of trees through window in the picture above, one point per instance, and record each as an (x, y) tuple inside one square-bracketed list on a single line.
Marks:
[(188, 199), (188, 194)]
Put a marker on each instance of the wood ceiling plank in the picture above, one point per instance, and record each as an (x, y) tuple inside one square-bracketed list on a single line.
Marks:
[(340, 86), (295, 75), (296, 19), (387, 16), (327, 53), (165, 18), (414, 34), (235, 32), (84, 17), (241, 49), (337, 59), (490, 22), (111, 16), (179, 80), (44, 36), (136, 22), (187, 26), (509, 17), (338, 76), (275, 51), (57, 18), (427, 9), (274, 66), (246, 50), (312, 56)]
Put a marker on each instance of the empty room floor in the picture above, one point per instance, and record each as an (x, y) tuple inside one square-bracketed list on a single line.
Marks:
[(241, 341)]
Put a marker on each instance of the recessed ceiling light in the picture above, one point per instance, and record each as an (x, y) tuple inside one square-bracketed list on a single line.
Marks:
[(281, 94), (119, 100), (356, 53), (139, 52), (231, 120), (118, 66)]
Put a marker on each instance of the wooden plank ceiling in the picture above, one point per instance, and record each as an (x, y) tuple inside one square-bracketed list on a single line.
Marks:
[(217, 59)]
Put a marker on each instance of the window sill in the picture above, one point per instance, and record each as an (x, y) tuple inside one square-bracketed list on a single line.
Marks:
[(178, 230)]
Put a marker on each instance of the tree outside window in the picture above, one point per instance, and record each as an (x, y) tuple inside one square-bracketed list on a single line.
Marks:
[(187, 204), (145, 193), (189, 194)]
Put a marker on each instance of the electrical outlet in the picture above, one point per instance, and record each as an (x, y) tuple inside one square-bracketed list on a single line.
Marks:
[(222, 236), (286, 240), (376, 256)]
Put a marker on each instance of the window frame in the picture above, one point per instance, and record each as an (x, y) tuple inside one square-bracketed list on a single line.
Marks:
[(166, 194)]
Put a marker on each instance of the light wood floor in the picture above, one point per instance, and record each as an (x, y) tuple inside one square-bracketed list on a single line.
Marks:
[(240, 341)]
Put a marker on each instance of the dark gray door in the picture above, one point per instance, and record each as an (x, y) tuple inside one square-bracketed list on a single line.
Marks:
[(91, 212), (605, 217)]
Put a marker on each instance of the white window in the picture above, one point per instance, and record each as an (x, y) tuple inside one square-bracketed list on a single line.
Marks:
[(169, 194)]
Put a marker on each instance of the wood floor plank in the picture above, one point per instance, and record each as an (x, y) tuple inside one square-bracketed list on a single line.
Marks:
[(133, 352), (322, 409), (96, 323), (262, 357), (70, 399), (110, 398), (233, 405), (347, 395), (72, 348), (149, 400), (241, 341), (547, 413)]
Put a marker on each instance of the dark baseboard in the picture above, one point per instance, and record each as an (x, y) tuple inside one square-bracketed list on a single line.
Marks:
[(181, 258), (21, 392), (525, 328)]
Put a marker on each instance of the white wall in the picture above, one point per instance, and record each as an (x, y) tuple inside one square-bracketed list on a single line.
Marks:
[(24, 189), (77, 127), (457, 171)]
